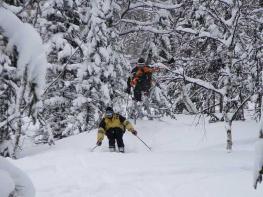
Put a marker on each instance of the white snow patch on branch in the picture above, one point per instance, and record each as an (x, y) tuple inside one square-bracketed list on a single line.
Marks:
[(156, 5), (12, 8), (30, 48)]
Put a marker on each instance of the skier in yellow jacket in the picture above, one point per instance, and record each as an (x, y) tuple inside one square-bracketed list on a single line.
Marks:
[(113, 125)]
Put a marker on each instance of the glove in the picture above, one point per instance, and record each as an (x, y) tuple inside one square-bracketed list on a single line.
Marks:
[(99, 143), (156, 69), (134, 132)]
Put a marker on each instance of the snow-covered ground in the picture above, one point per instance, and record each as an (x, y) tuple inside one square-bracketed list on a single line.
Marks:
[(187, 160)]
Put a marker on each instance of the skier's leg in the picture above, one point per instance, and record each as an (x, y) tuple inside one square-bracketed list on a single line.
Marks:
[(111, 138), (137, 93), (119, 138), (128, 89)]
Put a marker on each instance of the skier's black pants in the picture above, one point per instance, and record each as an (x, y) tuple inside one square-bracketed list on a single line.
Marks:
[(128, 89), (139, 88), (115, 134)]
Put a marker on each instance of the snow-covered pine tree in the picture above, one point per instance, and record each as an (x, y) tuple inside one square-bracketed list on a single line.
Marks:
[(101, 77), (7, 65), (60, 23)]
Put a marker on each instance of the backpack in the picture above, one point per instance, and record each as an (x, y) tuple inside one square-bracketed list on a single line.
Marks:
[(142, 76)]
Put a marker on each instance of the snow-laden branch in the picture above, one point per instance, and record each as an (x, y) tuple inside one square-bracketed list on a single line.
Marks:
[(199, 34), (215, 15), (167, 6), (230, 22), (154, 30), (205, 34), (186, 30), (205, 85), (143, 4), (198, 82), (14, 9), (29, 45), (227, 2), (145, 28), (257, 11), (252, 18), (126, 10), (140, 23), (63, 68)]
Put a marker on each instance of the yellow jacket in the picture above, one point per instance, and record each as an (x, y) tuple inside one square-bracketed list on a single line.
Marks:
[(117, 121)]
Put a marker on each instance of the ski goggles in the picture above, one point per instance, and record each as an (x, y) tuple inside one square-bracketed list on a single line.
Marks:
[(109, 113)]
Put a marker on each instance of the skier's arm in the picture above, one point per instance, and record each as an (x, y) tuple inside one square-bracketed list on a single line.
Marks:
[(149, 69), (134, 70), (126, 123), (101, 131)]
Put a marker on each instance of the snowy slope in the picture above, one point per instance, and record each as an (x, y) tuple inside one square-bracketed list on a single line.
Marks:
[(187, 160)]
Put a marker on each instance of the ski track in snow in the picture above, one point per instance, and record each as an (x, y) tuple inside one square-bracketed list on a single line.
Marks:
[(186, 160)]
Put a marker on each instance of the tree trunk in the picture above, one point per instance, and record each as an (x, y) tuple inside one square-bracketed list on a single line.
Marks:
[(19, 108), (229, 135), (226, 99), (241, 111), (221, 104), (213, 100), (187, 101), (258, 106), (228, 124)]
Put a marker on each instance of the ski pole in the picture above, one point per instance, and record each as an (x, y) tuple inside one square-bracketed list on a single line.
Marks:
[(92, 149), (144, 143)]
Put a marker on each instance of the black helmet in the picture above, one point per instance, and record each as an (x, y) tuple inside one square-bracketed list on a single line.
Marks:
[(109, 109), (141, 61), (109, 112)]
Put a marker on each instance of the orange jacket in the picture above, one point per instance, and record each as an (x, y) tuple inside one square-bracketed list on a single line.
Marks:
[(140, 71)]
